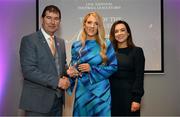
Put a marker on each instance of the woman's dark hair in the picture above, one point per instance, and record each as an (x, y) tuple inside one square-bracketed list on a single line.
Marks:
[(51, 8), (112, 35)]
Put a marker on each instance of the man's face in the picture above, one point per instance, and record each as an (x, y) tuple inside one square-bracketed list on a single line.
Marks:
[(50, 22)]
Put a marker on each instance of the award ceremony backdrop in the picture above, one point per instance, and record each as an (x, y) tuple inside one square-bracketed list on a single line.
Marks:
[(143, 16)]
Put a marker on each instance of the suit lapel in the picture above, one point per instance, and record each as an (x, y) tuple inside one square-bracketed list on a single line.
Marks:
[(59, 52), (58, 49), (44, 43)]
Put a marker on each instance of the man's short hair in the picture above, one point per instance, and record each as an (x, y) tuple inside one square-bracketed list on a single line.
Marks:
[(51, 8)]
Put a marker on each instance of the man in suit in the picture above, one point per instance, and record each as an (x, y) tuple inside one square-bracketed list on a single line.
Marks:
[(43, 63)]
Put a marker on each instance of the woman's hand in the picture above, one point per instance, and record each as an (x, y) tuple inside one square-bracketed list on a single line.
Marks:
[(72, 71), (85, 67), (135, 106)]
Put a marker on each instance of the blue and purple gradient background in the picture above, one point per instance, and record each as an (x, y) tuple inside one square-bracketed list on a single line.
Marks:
[(18, 18)]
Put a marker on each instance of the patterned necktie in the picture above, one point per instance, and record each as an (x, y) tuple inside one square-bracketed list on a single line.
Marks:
[(52, 46)]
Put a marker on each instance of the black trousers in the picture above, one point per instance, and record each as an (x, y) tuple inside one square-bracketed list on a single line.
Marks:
[(56, 109)]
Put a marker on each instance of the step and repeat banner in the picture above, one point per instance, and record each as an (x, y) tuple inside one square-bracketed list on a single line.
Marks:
[(145, 18)]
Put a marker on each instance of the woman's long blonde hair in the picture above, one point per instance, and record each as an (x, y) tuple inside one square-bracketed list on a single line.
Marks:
[(100, 37)]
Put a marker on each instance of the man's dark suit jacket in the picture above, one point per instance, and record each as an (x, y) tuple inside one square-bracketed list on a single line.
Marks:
[(40, 72)]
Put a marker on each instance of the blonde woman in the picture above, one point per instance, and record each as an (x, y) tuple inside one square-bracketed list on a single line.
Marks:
[(93, 61)]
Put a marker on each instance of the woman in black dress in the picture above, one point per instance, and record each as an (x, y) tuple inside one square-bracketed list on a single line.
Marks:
[(127, 84)]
